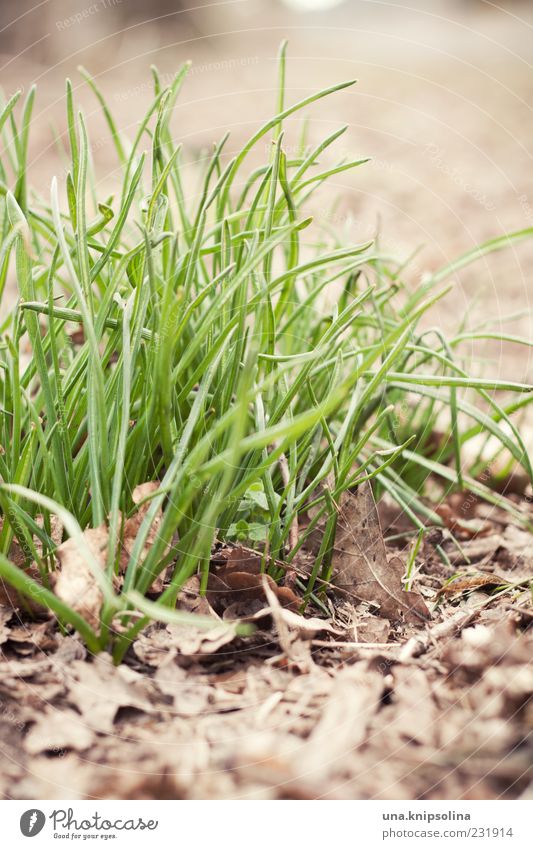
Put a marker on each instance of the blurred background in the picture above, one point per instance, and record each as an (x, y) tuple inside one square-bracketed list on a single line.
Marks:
[(443, 105)]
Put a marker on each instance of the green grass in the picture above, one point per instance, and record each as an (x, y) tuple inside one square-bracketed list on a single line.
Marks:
[(231, 349)]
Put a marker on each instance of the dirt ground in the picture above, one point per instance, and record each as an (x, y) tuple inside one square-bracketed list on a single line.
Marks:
[(419, 695), (363, 706)]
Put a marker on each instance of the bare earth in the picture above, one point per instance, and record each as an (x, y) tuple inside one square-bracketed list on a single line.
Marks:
[(424, 694)]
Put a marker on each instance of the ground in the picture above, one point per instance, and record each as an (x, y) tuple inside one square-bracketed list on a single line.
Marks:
[(354, 705)]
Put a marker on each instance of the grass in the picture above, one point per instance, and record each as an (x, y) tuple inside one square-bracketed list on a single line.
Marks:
[(230, 349)]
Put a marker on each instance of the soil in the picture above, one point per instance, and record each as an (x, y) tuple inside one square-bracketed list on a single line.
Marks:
[(377, 700)]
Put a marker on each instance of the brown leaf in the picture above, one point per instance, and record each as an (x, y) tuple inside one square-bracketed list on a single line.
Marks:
[(131, 529), (467, 583), (360, 561), (157, 646), (511, 550), (189, 697), (5, 615), (28, 637), (98, 689), (294, 632), (239, 580), (191, 599), (57, 730), (9, 597), (373, 630), (461, 526), (412, 712), (75, 582), (343, 725), (482, 646)]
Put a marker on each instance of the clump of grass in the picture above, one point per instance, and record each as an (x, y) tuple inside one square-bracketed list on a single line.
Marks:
[(230, 349)]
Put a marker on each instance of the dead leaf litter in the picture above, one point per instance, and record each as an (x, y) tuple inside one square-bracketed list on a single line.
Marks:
[(396, 695)]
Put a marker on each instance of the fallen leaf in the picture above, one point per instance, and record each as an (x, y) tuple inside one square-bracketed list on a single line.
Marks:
[(412, 711), (373, 630), (461, 526), (57, 730), (9, 597), (75, 582), (482, 646), (292, 630), (511, 551), (27, 637), (467, 583), (5, 615), (360, 561), (155, 646), (131, 529), (353, 700), (192, 600), (237, 579), (304, 626), (99, 689), (189, 697)]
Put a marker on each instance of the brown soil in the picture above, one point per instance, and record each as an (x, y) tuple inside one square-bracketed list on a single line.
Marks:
[(354, 705)]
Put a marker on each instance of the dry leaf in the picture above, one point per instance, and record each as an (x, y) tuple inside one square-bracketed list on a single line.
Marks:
[(75, 582), (482, 646), (27, 637), (460, 526), (9, 597), (510, 550), (190, 599), (5, 615), (467, 583), (360, 561), (292, 630), (239, 581), (373, 630), (57, 730), (189, 697), (156, 646), (131, 529), (303, 626), (191, 641), (412, 713), (123, 687), (353, 700)]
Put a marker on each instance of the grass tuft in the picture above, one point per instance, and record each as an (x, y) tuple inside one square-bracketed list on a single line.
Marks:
[(223, 344)]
